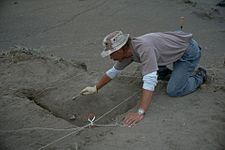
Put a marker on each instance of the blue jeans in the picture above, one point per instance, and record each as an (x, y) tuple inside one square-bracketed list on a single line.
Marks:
[(182, 80)]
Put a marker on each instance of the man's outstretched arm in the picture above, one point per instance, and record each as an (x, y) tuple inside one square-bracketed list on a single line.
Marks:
[(132, 118), (103, 81), (106, 78), (150, 81)]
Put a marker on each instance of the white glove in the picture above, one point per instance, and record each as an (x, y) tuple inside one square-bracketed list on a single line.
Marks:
[(89, 90)]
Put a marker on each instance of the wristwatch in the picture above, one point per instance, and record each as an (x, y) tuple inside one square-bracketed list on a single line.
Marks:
[(141, 111)]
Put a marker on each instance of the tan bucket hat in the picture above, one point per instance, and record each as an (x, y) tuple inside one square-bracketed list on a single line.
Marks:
[(113, 42)]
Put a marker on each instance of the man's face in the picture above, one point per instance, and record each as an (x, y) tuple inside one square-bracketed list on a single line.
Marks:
[(118, 55)]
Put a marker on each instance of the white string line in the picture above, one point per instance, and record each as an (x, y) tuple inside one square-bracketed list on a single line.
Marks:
[(117, 106), (101, 125), (55, 86), (110, 125), (76, 146), (39, 128), (89, 124), (59, 139), (81, 128)]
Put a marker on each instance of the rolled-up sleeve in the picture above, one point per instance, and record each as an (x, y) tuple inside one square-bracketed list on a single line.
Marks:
[(113, 72), (150, 81)]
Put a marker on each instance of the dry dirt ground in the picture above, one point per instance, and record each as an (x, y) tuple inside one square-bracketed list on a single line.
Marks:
[(50, 51), (37, 107)]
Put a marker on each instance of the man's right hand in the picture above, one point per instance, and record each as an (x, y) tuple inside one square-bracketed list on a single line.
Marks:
[(89, 90)]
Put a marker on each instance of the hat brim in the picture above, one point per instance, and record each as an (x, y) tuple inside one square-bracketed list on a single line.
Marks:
[(105, 53)]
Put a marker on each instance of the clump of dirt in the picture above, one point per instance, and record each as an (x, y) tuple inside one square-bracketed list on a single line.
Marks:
[(190, 2)]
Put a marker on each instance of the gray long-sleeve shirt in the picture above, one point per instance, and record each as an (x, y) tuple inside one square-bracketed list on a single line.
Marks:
[(156, 49)]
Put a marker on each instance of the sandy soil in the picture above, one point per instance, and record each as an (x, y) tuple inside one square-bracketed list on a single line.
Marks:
[(58, 55)]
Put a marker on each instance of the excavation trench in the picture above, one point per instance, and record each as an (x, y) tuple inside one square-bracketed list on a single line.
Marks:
[(77, 111)]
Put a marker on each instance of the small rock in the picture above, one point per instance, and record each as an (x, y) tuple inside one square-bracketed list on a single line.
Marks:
[(73, 117), (204, 87)]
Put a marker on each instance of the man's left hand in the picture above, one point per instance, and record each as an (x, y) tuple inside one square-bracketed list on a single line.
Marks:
[(132, 118)]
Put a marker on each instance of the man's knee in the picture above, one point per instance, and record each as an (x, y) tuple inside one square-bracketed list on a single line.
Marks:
[(172, 92)]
